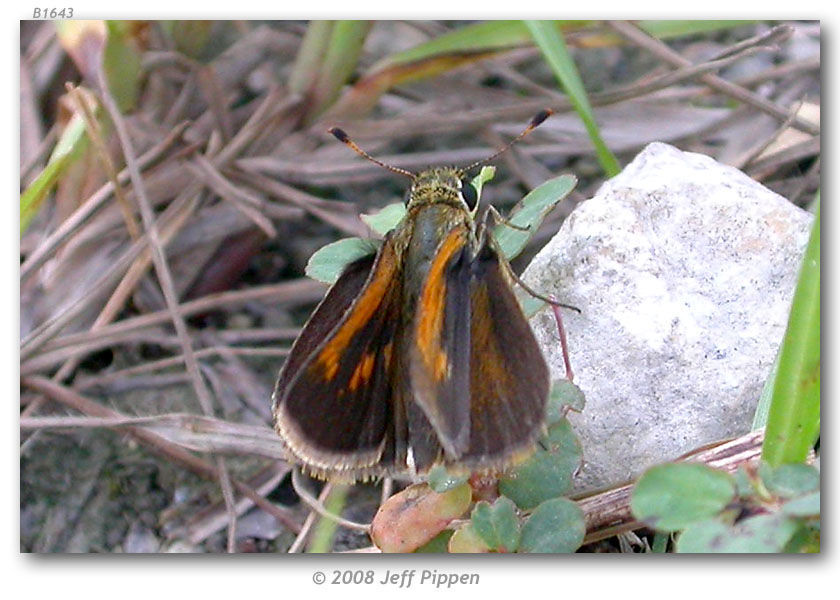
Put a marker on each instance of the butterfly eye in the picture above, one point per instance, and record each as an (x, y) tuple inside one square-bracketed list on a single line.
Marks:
[(469, 194)]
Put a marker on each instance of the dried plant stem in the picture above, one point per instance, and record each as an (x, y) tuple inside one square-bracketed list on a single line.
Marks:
[(607, 513), (294, 292), (636, 35), (309, 522), (164, 276), (95, 135), (89, 207)]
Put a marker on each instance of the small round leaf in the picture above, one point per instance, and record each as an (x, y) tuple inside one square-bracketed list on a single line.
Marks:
[(465, 540), (386, 219), (790, 480), (564, 396), (497, 525), (670, 497), (804, 506), (555, 526), (327, 264), (441, 480), (548, 472), (762, 533)]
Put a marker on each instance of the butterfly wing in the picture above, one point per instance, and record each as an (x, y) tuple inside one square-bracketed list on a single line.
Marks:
[(440, 351), (509, 378), (333, 404)]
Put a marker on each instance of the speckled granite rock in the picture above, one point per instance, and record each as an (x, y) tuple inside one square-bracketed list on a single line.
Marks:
[(684, 270)]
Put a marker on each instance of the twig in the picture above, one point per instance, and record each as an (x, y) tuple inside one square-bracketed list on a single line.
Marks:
[(776, 35), (763, 167), (308, 522), (96, 201), (250, 206), (300, 291), (174, 361), (167, 285), (634, 34), (752, 153), (607, 513)]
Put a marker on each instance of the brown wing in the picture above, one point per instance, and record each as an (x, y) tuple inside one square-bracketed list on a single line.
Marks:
[(333, 404), (509, 379)]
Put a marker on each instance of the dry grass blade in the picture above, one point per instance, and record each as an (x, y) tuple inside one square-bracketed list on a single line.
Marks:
[(637, 36), (295, 292), (164, 276), (249, 205), (89, 207)]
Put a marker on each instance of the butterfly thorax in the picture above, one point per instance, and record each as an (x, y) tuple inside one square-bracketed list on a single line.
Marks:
[(437, 185)]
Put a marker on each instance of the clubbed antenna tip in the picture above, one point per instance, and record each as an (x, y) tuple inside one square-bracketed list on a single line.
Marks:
[(339, 134), (532, 124), (540, 117)]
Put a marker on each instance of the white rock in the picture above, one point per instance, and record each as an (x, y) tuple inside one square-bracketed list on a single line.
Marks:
[(684, 270)]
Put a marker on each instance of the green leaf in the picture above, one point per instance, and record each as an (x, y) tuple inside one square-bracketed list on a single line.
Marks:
[(326, 61), (438, 544), (804, 506), (806, 540), (530, 212), (386, 219), (528, 303), (793, 420), (660, 542), (744, 484), (310, 56), (497, 525), (70, 146), (490, 35), (327, 264), (762, 533), (790, 480), (551, 43), (555, 526), (122, 62), (548, 473), (485, 175), (565, 396), (441, 480), (465, 540), (671, 496)]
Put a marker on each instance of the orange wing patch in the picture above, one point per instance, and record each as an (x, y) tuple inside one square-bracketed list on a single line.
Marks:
[(361, 375), (431, 307), (360, 314)]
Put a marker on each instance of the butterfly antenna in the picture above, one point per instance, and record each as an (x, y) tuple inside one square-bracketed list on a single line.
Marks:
[(533, 124), (341, 136)]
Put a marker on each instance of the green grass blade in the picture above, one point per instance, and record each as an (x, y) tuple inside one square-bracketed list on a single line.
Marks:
[(71, 144), (551, 43), (310, 55), (324, 532), (793, 421), (340, 60)]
